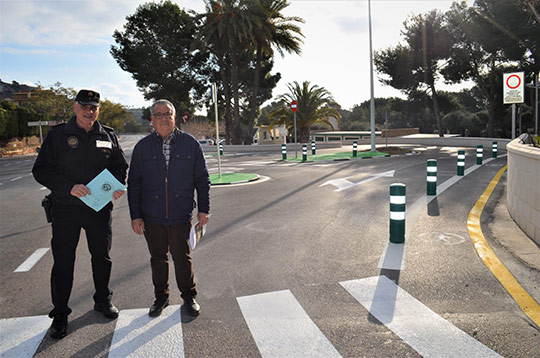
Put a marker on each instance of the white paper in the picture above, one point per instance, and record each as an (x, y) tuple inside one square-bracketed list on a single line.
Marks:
[(196, 234)]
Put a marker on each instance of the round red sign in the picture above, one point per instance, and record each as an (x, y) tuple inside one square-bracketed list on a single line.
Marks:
[(294, 106)]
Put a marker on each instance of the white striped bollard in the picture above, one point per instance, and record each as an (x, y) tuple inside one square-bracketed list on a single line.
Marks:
[(313, 148), (494, 150), (354, 148), (397, 213), (479, 154), (284, 151), (220, 148), (461, 163), (304, 152), (431, 187)]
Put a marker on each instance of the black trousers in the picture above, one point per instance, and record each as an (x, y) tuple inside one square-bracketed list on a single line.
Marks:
[(67, 222), (174, 238)]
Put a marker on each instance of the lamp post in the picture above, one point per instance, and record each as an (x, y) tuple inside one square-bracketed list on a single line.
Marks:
[(372, 102)]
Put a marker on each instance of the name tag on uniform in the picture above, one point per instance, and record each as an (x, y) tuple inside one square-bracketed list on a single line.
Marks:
[(103, 144)]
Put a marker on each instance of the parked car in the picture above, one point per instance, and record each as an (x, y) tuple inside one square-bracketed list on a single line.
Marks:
[(206, 141)]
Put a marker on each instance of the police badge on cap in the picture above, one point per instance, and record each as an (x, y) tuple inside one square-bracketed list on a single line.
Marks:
[(88, 97)]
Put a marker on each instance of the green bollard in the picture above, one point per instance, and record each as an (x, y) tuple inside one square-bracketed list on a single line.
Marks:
[(304, 152), (397, 213), (220, 148), (284, 151), (461, 163), (479, 154), (354, 148), (431, 188), (313, 148), (494, 150)]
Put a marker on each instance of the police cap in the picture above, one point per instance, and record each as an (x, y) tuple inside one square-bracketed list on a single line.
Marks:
[(88, 97)]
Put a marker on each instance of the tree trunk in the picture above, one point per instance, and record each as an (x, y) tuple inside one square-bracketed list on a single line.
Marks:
[(234, 82), (227, 93), (304, 135), (254, 94), (436, 110)]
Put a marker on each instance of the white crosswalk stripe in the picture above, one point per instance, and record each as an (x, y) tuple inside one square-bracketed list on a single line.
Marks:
[(277, 322), (139, 335), (20, 337), (421, 328), (281, 327)]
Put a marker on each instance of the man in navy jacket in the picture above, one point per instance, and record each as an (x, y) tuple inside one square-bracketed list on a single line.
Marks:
[(167, 166)]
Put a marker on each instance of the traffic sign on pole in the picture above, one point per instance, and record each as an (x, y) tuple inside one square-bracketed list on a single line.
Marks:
[(294, 106), (513, 87), (185, 117)]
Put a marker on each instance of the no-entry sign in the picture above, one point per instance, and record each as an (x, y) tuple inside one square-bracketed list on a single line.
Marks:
[(294, 106), (513, 87)]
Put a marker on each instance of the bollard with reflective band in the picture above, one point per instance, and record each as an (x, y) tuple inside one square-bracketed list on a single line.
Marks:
[(431, 187), (313, 148), (461, 163), (494, 150), (354, 148), (220, 148), (479, 154), (397, 213), (304, 152), (284, 151)]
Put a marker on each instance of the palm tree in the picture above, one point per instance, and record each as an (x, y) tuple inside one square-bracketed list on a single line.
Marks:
[(226, 30), (314, 106), (271, 29)]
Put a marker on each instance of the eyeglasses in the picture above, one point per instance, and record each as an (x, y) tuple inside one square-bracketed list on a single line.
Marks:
[(89, 107), (159, 115)]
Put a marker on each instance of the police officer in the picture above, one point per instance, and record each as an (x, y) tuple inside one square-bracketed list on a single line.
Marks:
[(71, 156)]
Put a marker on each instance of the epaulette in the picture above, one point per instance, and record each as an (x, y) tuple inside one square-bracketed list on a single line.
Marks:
[(107, 128)]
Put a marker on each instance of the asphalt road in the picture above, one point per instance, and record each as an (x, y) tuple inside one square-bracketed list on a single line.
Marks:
[(290, 266)]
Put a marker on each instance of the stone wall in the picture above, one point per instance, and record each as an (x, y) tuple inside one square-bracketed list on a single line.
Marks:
[(523, 187)]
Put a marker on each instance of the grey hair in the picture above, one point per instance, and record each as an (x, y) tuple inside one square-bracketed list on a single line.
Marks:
[(161, 102)]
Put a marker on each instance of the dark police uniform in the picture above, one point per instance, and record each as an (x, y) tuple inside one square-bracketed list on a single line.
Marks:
[(70, 155)]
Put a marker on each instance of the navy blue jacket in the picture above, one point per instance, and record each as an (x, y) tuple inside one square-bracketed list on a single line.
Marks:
[(70, 155), (166, 196)]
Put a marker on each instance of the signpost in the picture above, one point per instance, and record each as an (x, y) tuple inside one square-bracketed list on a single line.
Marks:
[(214, 99), (294, 107), (513, 92), (39, 123)]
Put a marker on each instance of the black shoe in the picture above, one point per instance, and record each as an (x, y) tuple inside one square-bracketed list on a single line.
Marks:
[(107, 308), (192, 306), (59, 327), (158, 307)]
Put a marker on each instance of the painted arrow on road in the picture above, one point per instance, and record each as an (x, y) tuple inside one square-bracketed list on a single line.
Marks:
[(344, 184)]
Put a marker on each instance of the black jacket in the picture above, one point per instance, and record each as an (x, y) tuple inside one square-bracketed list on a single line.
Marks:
[(70, 155), (166, 196)]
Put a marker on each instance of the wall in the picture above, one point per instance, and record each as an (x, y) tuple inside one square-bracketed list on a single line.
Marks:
[(523, 187)]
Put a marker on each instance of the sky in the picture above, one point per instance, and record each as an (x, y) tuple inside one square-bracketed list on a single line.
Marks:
[(69, 41)]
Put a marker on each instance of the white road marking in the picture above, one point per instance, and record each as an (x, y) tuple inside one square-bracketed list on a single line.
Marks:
[(395, 259), (139, 335), (32, 260), (17, 178), (20, 337), (343, 183), (43, 188), (281, 327), (421, 328)]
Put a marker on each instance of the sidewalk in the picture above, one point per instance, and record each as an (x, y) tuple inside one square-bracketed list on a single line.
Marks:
[(507, 233)]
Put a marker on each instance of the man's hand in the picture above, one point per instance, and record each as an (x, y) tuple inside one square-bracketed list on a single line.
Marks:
[(117, 194), (203, 218), (79, 190), (138, 226)]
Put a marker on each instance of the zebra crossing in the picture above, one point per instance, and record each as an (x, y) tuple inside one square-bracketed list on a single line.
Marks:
[(278, 323)]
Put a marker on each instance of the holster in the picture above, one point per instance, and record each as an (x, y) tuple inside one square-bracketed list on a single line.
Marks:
[(47, 204)]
